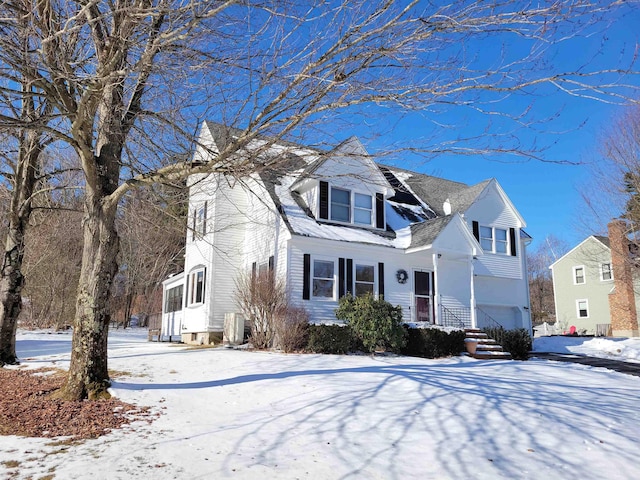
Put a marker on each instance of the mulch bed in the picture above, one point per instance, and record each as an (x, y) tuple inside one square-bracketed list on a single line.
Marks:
[(26, 408)]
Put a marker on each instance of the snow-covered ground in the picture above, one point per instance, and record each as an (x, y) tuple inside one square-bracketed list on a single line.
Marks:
[(624, 349), (236, 414)]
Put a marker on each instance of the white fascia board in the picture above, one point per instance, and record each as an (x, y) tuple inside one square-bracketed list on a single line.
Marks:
[(176, 278)]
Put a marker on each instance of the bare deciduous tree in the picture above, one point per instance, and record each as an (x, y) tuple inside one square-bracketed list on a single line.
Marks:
[(262, 299), (21, 156), (540, 281), (130, 80)]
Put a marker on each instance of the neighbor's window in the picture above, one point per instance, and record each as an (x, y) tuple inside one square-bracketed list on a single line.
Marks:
[(323, 278), (583, 308), (173, 299), (605, 272), (362, 209), (340, 205), (578, 275), (196, 287), (364, 279)]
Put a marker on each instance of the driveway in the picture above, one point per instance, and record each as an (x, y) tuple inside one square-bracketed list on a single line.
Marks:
[(617, 365)]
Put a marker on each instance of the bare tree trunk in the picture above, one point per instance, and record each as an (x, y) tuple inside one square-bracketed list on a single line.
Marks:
[(88, 375), (11, 278)]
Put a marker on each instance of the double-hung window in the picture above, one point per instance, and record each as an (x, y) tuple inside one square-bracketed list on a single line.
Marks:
[(582, 307), (605, 272), (323, 278), (365, 279), (340, 205), (199, 222), (351, 207), (578, 275), (196, 287), (494, 240), (362, 209), (486, 238)]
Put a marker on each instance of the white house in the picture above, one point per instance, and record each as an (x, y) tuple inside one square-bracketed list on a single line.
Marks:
[(334, 222)]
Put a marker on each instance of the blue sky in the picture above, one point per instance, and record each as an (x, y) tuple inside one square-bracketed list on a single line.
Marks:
[(546, 193)]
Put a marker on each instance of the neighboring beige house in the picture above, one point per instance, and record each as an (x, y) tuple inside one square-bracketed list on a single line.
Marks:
[(594, 288)]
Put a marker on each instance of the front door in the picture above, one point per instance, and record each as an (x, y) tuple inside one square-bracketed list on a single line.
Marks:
[(423, 296)]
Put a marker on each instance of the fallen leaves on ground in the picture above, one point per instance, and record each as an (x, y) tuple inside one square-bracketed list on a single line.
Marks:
[(27, 409)]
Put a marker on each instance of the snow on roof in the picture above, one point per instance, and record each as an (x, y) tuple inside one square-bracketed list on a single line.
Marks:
[(414, 213)]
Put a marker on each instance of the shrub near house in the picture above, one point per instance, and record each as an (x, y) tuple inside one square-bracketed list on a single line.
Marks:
[(373, 321)]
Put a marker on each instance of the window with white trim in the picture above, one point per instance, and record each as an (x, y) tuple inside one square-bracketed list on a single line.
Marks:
[(582, 307), (323, 278), (606, 273), (578, 275), (365, 279), (195, 287), (362, 209), (351, 207), (173, 299), (199, 222), (494, 239), (340, 205)]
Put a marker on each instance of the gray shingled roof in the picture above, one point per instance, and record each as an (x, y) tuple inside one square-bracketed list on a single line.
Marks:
[(424, 233), (603, 240)]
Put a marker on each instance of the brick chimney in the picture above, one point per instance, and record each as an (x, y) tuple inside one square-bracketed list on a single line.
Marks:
[(622, 301)]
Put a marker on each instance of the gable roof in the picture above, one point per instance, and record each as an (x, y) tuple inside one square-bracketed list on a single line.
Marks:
[(603, 240), (415, 215)]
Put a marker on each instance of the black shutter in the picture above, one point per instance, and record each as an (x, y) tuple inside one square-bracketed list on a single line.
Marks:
[(476, 230), (379, 210), (204, 219), (306, 272), (324, 200), (349, 286), (381, 279), (341, 279), (271, 261), (204, 282), (193, 227), (512, 241)]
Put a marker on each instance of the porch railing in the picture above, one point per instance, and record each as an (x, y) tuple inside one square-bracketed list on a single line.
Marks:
[(486, 320), (459, 317)]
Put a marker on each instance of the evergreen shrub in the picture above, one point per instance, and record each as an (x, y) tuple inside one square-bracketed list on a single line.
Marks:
[(335, 339), (373, 321), (433, 343), (517, 342)]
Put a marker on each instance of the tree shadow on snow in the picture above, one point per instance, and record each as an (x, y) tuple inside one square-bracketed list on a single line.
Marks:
[(459, 413)]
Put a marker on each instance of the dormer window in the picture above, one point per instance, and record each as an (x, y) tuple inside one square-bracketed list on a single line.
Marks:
[(341, 210), (346, 206), (362, 209), (340, 205)]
